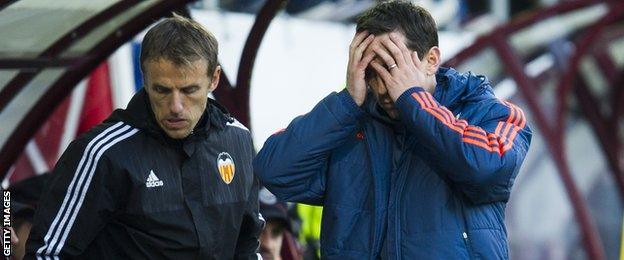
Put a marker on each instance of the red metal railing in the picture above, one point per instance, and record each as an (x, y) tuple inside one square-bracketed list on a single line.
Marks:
[(554, 135)]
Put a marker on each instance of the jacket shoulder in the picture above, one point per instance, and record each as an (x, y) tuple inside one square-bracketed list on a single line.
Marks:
[(102, 137), (234, 127)]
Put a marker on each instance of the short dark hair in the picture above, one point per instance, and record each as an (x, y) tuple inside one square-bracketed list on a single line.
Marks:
[(414, 21), (181, 41)]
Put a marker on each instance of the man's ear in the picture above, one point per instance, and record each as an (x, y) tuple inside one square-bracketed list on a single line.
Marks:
[(433, 60), (216, 75)]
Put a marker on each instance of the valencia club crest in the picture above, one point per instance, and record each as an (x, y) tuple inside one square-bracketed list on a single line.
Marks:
[(226, 166)]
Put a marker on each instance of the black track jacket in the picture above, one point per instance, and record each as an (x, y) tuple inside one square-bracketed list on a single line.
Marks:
[(125, 190)]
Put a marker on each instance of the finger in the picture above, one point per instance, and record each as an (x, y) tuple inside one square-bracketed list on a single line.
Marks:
[(368, 57), (384, 55), (382, 71), (402, 47), (14, 238), (360, 49), (394, 50), (357, 39)]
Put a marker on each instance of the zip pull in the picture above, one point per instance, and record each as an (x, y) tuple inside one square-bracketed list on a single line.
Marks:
[(464, 235)]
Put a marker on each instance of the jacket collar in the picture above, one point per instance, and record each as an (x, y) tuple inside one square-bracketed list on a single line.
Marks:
[(139, 114), (375, 111), (454, 88)]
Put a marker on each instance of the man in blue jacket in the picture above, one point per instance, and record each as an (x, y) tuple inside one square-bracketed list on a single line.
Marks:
[(418, 165)]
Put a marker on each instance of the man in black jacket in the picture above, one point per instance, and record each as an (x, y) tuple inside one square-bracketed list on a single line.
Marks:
[(168, 177)]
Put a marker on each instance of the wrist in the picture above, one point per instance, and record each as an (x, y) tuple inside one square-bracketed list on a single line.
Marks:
[(396, 94), (358, 100)]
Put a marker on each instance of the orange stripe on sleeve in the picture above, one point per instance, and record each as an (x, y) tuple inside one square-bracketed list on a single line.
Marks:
[(523, 123), (498, 128), (424, 97), (441, 118), (480, 136), (480, 144), (506, 131), (499, 141), (430, 98), (512, 136), (511, 113), (520, 114), (445, 115), (419, 100)]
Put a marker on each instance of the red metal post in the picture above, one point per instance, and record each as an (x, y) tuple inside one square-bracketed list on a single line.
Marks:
[(236, 100), (513, 64)]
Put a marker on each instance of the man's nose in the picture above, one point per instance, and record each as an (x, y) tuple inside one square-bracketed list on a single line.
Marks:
[(176, 105), (382, 90)]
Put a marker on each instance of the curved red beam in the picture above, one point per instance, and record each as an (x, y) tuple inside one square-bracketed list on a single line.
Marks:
[(513, 64), (65, 84)]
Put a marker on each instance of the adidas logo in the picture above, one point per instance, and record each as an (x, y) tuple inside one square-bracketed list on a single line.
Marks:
[(152, 180)]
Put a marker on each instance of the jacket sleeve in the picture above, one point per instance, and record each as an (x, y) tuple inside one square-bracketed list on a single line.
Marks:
[(75, 206), (251, 227), (293, 162), (479, 160)]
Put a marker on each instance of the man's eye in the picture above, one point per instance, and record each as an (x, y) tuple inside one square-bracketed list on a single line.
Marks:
[(369, 74), (160, 89), (189, 90)]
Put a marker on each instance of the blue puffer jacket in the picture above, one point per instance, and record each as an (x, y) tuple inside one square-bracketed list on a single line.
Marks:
[(433, 185)]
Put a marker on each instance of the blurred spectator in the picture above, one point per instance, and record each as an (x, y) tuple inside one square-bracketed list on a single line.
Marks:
[(276, 240), (518, 6), (296, 7), (24, 199), (310, 233), (28, 191), (242, 6), (22, 216), (474, 8)]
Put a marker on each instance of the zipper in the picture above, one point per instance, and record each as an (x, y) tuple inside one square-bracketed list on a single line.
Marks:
[(401, 184), (465, 236), (376, 224), (467, 243), (397, 217)]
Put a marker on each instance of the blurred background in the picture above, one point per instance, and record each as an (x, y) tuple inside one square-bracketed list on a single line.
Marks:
[(65, 65)]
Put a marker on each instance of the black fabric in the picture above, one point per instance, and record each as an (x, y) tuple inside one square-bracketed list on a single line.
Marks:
[(28, 191), (147, 196)]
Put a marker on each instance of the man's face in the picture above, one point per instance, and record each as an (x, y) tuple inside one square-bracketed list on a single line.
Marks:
[(376, 83), (380, 92), (178, 93), (22, 231), (271, 240)]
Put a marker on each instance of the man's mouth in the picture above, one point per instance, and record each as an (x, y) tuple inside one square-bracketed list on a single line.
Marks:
[(175, 123)]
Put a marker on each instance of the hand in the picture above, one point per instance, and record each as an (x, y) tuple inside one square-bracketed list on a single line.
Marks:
[(356, 84), (14, 238), (402, 69)]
